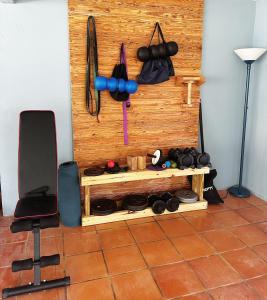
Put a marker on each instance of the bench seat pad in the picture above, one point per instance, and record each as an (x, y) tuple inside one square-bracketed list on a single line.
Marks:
[(36, 207)]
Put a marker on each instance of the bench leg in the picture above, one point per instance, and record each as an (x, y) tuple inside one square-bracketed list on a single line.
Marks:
[(36, 266), (37, 284), (87, 201)]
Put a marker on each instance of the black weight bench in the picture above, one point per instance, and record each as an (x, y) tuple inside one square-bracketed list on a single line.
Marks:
[(37, 206)]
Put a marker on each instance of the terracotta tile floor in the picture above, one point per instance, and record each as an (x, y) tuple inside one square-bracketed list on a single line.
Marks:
[(218, 253)]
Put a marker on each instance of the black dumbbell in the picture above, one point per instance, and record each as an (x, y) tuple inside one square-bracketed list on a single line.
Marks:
[(172, 203), (157, 204), (200, 159), (183, 160)]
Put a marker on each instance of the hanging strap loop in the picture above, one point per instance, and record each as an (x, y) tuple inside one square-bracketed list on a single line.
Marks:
[(160, 34), (126, 103)]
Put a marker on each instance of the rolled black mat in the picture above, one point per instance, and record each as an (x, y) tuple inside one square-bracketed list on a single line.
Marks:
[(69, 199)]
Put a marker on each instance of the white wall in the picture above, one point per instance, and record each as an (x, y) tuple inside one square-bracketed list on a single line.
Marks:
[(256, 162), (34, 74), (228, 25)]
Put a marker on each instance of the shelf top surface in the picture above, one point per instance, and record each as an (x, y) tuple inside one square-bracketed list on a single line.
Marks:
[(139, 175)]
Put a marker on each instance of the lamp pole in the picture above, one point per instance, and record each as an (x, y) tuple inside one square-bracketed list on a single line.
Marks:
[(249, 62)]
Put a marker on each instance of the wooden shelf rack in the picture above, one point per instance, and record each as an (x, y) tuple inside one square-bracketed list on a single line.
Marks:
[(87, 181)]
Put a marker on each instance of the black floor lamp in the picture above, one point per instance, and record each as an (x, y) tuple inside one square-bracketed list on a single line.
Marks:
[(248, 55)]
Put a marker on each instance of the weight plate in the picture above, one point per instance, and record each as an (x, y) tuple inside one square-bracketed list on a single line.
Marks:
[(186, 196), (172, 204), (93, 171), (103, 207), (156, 159), (158, 207), (155, 168), (135, 202), (113, 170)]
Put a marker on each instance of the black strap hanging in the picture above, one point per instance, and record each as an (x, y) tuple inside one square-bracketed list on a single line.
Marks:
[(92, 69), (160, 34), (201, 128)]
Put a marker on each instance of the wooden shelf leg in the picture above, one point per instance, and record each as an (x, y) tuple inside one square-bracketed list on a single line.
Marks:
[(87, 201), (189, 92), (198, 185)]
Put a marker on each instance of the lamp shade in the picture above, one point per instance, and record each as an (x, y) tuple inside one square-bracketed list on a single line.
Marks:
[(250, 54)]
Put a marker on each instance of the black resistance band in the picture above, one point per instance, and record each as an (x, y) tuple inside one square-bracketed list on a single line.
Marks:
[(92, 69)]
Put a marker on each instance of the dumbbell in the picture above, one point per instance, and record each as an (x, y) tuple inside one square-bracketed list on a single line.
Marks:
[(200, 159), (157, 204), (112, 84), (183, 160), (172, 203)]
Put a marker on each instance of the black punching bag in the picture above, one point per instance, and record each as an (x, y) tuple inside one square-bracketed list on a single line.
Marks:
[(69, 198)]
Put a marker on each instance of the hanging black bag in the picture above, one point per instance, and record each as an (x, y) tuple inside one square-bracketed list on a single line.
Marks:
[(156, 68), (120, 72)]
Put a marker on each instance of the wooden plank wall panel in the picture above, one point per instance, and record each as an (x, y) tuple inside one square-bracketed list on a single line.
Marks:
[(158, 117)]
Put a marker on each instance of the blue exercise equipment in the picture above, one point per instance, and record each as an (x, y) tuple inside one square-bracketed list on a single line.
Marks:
[(112, 84)]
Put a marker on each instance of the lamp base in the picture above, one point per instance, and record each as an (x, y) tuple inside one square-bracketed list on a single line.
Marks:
[(240, 193)]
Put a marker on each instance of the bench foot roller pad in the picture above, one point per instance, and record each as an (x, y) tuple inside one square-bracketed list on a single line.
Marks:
[(44, 285)]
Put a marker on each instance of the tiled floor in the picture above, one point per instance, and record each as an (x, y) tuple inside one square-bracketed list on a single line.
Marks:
[(219, 253)]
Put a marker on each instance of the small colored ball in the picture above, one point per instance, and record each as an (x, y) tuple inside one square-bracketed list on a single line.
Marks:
[(168, 164), (111, 164)]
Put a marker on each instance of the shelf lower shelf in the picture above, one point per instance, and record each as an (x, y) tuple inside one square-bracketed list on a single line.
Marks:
[(124, 215)]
